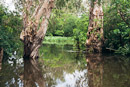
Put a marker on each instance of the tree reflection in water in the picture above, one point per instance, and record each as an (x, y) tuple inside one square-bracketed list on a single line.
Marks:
[(95, 70), (32, 74)]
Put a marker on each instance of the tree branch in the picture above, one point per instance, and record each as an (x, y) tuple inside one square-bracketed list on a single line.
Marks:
[(122, 17)]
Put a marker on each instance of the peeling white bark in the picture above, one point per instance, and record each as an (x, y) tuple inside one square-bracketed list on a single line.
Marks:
[(35, 26)]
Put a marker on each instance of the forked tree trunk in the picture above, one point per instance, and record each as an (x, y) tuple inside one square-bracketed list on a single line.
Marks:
[(1, 57), (95, 36), (35, 25)]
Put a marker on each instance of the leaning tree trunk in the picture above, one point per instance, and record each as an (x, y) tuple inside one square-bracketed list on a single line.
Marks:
[(95, 36), (1, 57), (35, 19)]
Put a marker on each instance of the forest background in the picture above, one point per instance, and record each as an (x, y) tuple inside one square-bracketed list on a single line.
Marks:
[(69, 25)]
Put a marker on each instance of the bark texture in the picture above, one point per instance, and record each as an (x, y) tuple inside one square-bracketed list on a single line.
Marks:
[(35, 20), (95, 36), (1, 57)]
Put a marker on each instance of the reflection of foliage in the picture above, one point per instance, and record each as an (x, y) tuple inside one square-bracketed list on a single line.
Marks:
[(11, 75), (57, 60), (116, 72), (53, 55)]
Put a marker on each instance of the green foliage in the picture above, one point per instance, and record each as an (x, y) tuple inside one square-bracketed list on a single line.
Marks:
[(61, 25), (117, 26), (72, 6), (10, 26), (69, 25), (92, 2), (124, 50), (58, 40), (79, 33)]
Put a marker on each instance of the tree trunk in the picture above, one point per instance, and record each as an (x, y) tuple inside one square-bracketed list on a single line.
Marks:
[(95, 36), (1, 57), (35, 26)]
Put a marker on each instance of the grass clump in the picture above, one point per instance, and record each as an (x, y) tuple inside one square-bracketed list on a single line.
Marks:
[(58, 40)]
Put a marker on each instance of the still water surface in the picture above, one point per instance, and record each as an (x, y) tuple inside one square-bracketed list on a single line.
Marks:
[(60, 66)]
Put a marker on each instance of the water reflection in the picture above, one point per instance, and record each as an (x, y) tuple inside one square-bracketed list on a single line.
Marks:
[(10, 74), (108, 70), (32, 74), (95, 70), (62, 67)]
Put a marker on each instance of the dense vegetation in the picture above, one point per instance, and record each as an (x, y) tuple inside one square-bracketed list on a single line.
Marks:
[(10, 27), (72, 25), (117, 26), (57, 38), (69, 25)]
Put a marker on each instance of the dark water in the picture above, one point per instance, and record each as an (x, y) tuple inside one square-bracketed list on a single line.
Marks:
[(60, 66)]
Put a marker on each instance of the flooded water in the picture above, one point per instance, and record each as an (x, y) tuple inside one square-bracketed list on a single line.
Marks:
[(60, 66)]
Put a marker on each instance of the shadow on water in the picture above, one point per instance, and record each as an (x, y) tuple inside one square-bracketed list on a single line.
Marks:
[(60, 66)]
